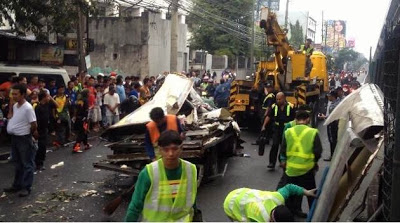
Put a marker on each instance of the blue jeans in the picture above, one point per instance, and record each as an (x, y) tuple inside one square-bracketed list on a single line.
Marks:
[(23, 155)]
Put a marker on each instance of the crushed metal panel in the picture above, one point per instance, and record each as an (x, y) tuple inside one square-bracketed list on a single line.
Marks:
[(175, 90)]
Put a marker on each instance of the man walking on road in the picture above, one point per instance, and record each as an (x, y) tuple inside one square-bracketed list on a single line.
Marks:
[(301, 150), (160, 123), (279, 115), (249, 205), (22, 126), (166, 189)]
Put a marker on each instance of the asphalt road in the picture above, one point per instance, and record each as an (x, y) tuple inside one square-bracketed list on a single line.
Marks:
[(61, 194)]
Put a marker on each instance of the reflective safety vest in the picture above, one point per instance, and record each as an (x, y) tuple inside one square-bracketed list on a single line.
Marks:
[(170, 200), (270, 95), (299, 150), (308, 51), (155, 133), (247, 205), (275, 107)]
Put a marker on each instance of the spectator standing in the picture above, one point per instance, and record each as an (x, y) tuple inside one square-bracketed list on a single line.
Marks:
[(53, 88), (120, 89), (221, 94), (42, 112), (61, 117), (22, 126), (91, 99), (81, 121), (34, 84), (71, 94), (135, 90), (112, 102), (96, 118), (145, 93)]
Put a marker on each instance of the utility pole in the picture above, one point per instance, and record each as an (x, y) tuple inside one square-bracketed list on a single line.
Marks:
[(287, 15), (174, 37), (252, 38), (322, 28), (80, 36)]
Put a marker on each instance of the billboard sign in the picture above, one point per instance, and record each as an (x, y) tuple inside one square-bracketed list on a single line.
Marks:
[(336, 34), (53, 55)]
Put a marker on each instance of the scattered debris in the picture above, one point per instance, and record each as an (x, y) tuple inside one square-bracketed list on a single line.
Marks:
[(40, 202), (97, 170), (27, 206), (63, 196), (109, 192), (43, 210), (62, 209), (57, 165), (2, 216), (49, 151), (92, 193), (99, 156), (124, 175), (124, 166), (3, 195), (246, 155), (80, 210)]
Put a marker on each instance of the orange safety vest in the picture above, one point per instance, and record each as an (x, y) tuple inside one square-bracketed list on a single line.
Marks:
[(155, 132)]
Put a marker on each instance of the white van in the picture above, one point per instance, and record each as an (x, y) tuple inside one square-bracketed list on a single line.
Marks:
[(58, 74)]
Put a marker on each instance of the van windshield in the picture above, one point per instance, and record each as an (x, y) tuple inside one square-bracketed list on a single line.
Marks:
[(46, 77)]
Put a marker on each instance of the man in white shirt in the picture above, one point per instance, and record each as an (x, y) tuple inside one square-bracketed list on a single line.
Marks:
[(111, 101), (22, 126)]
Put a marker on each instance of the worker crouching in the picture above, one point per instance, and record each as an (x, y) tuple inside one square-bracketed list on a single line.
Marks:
[(249, 205), (166, 189)]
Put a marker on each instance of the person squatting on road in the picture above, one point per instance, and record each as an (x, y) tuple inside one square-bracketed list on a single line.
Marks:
[(166, 189), (22, 126), (160, 123), (249, 205), (301, 149)]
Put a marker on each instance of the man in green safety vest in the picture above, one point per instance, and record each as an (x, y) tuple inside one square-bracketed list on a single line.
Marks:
[(281, 113), (300, 152), (166, 189), (249, 205), (308, 51), (293, 123)]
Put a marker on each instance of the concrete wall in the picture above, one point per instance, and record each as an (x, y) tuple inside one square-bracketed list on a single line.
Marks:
[(138, 45)]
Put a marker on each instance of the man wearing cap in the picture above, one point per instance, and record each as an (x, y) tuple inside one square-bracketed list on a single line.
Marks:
[(300, 152), (308, 51), (332, 128), (281, 112)]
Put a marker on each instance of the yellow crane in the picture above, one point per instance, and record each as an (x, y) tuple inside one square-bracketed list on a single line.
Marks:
[(286, 71)]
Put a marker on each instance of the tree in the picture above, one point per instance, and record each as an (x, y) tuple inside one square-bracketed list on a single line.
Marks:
[(42, 17), (345, 55), (296, 35), (211, 21)]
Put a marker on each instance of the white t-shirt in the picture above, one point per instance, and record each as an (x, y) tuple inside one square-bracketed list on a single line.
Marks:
[(20, 123), (111, 100)]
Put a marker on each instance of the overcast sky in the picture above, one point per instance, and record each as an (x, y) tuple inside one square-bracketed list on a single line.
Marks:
[(364, 18)]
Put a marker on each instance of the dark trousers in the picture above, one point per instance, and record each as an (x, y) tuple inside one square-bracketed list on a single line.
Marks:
[(81, 133), (332, 130), (62, 131), (41, 152), (306, 181), (23, 155), (276, 141)]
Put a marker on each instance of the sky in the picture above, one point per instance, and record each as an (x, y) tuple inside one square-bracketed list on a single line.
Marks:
[(365, 18)]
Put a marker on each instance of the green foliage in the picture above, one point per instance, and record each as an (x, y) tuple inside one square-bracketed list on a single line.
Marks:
[(296, 35), (42, 17), (330, 62), (345, 55), (206, 30)]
